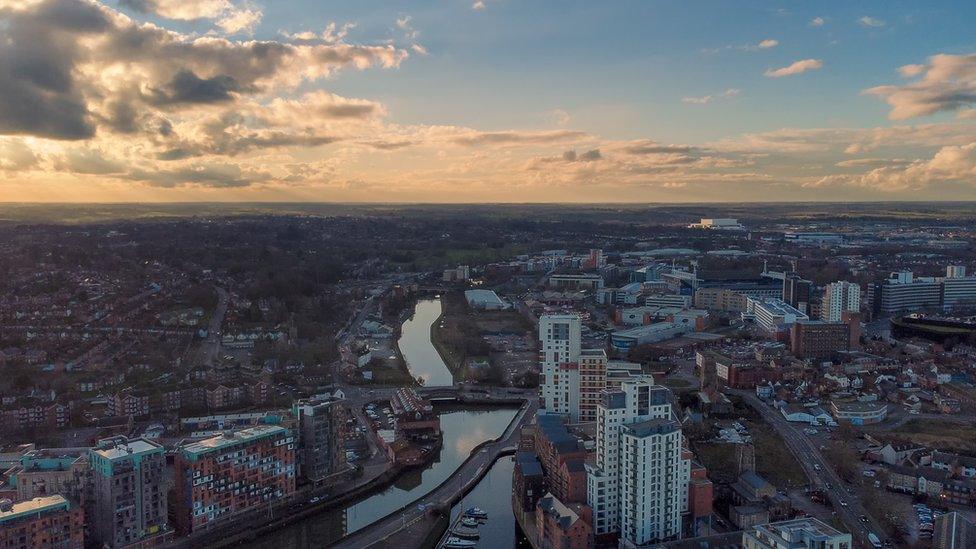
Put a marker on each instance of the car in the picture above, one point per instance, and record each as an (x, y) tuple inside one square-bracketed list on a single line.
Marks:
[(843, 503), (864, 519)]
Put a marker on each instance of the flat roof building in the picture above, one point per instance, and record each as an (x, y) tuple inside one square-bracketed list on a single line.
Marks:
[(802, 533), (49, 521)]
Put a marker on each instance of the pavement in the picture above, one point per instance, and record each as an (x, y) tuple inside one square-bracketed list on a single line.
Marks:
[(809, 456)]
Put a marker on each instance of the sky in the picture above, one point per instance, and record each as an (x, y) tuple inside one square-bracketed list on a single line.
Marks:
[(635, 101)]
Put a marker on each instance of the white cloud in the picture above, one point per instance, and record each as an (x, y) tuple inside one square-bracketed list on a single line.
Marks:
[(419, 50), (869, 21), (731, 92), (817, 22), (767, 43), (240, 21), (479, 5), (797, 67), (948, 83)]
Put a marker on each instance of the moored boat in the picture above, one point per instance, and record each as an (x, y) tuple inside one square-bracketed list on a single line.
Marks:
[(458, 543)]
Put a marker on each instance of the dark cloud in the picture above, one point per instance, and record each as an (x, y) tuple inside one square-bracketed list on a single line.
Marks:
[(38, 51), (188, 88), (651, 147)]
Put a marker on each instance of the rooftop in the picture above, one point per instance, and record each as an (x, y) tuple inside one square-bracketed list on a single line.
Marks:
[(226, 440), (36, 505), (113, 449)]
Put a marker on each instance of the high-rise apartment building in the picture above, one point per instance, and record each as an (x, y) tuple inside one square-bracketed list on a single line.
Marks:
[(320, 422), (953, 531), (593, 379), (49, 521), (219, 477), (129, 505), (559, 336), (839, 298), (638, 487)]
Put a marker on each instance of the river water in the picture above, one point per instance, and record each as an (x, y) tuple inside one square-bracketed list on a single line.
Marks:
[(494, 495), (422, 358), (463, 430)]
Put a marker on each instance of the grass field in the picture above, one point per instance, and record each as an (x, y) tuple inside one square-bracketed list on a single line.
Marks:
[(942, 435)]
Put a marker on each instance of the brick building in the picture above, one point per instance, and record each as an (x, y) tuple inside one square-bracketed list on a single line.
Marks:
[(220, 477), (45, 522)]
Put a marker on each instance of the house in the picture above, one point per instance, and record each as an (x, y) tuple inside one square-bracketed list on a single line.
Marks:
[(561, 526), (895, 453), (963, 466)]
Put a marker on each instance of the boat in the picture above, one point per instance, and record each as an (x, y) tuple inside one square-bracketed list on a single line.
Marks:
[(470, 522), (458, 543), (476, 512), (464, 532)]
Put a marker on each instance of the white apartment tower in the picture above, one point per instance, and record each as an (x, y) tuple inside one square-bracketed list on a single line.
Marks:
[(639, 484), (840, 297), (559, 336)]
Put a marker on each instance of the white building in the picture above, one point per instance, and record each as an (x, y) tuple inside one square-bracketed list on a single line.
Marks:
[(669, 300), (638, 486), (718, 223), (773, 314), (559, 338), (801, 533), (838, 298)]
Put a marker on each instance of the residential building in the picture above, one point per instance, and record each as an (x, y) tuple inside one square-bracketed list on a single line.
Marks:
[(320, 423), (638, 487), (593, 379), (669, 300), (129, 507), (219, 477), (41, 523), (561, 526), (47, 472), (839, 298), (559, 337), (720, 299), (801, 533), (819, 339), (719, 224)]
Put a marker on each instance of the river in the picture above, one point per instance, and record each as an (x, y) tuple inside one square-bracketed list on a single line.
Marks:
[(494, 495), (421, 357), (463, 430)]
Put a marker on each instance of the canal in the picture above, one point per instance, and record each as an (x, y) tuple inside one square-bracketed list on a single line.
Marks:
[(421, 357), (464, 428), (494, 495)]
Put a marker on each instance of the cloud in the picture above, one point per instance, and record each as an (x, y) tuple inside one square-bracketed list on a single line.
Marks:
[(910, 71), (797, 67), (419, 50), (478, 5), (948, 83), (240, 21), (765, 44), (186, 10), (868, 21), (951, 164), (705, 99), (817, 22), (16, 156), (472, 138)]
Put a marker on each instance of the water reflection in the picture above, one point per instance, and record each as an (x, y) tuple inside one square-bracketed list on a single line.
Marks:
[(422, 358), (470, 424)]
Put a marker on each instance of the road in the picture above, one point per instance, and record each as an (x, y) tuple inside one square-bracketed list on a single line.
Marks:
[(379, 533), (808, 454), (211, 347)]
